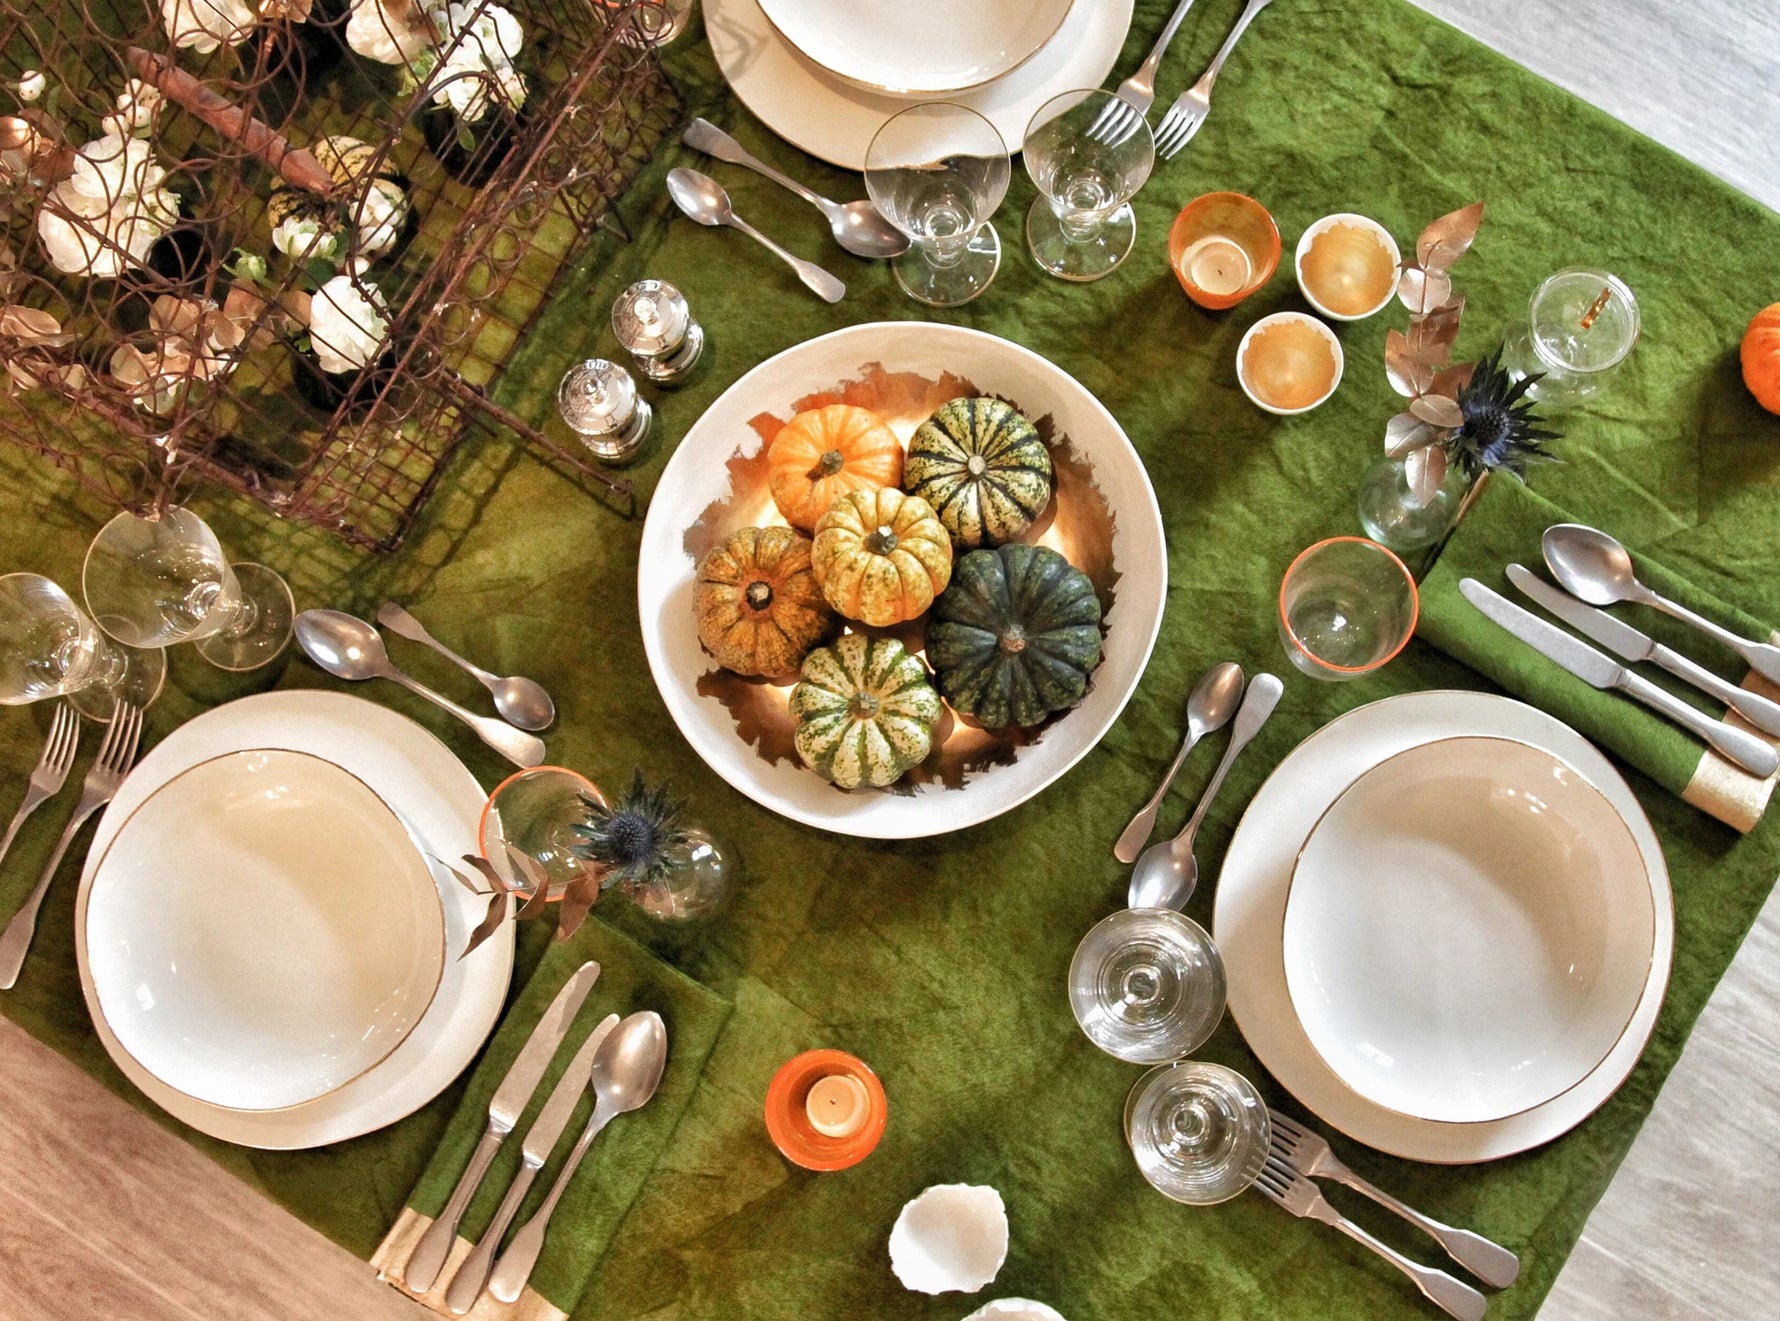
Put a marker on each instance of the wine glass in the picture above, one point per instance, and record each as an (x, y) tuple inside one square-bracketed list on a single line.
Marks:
[(937, 171), (1199, 1131), (49, 647), (153, 580), (1081, 225), (1147, 985)]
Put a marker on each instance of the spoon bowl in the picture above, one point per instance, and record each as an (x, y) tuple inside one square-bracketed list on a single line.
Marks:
[(627, 1067), (1589, 564)]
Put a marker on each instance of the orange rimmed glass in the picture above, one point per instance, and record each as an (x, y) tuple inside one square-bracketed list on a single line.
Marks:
[(534, 812), (1346, 606), (1223, 247), (787, 1111)]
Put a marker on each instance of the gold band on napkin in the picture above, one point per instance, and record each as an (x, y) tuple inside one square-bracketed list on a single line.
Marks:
[(1729, 792), (392, 1254)]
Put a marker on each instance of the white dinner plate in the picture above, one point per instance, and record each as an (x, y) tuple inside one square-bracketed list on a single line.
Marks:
[(916, 47), (262, 930), (698, 477), (1249, 915), (439, 802), (1469, 930), (828, 117)]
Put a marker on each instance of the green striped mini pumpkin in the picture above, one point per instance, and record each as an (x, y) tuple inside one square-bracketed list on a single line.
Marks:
[(865, 711), (982, 467)]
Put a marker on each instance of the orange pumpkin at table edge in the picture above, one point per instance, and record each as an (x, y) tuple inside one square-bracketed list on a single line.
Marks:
[(1761, 357), (825, 453)]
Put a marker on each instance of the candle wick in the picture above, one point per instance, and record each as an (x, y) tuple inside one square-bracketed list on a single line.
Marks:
[(1597, 307)]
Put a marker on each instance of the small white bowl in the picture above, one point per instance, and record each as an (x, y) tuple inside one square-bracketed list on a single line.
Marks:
[(1468, 931), (950, 1239), (1279, 318), (1371, 226)]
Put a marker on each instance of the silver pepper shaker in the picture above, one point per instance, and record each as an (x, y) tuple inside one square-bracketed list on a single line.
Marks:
[(599, 402), (654, 325)]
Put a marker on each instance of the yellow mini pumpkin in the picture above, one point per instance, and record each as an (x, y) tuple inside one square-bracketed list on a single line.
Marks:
[(823, 453), (881, 556), (758, 605), (1761, 357)]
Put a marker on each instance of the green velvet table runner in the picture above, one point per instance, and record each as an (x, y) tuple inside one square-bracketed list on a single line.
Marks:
[(941, 961)]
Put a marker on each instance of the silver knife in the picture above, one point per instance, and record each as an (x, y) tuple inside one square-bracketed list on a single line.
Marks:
[(1628, 643), (540, 1141), (509, 1102), (1748, 751)]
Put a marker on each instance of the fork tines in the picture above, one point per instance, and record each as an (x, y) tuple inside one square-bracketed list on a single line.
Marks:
[(1118, 120), (1177, 129), (64, 739)]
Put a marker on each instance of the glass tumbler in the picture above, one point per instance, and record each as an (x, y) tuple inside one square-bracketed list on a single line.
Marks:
[(1346, 606), (1081, 226), (49, 647), (937, 171), (534, 812), (159, 579), (1199, 1131), (1147, 985), (1580, 326)]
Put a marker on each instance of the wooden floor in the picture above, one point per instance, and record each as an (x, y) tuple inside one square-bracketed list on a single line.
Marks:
[(106, 1217)]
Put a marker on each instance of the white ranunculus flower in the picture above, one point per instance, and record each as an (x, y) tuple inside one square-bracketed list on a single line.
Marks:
[(346, 328), (478, 61), (377, 34), (302, 237), (116, 189), (31, 85), (381, 214), (203, 25), (137, 106)]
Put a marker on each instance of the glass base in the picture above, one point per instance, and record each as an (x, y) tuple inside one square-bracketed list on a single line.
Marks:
[(696, 887), (954, 285), (145, 673), (273, 611), (1079, 260)]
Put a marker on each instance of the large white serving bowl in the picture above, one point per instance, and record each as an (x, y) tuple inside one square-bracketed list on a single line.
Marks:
[(438, 801), (917, 47), (1256, 877), (698, 476), (1469, 930), (262, 930), (810, 107)]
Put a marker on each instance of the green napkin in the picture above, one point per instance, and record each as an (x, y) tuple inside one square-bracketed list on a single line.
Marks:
[(621, 1158), (1504, 527)]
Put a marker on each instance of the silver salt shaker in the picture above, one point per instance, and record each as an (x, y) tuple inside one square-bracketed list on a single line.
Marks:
[(654, 325), (599, 402)]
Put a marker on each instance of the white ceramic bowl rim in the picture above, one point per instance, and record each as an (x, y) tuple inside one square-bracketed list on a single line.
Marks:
[(1329, 222)]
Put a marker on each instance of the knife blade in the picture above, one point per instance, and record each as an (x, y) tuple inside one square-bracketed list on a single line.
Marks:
[(504, 1108), (1746, 750), (1630, 644)]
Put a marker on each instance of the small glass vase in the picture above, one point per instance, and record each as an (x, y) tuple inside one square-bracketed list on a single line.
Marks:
[(1391, 516), (696, 883)]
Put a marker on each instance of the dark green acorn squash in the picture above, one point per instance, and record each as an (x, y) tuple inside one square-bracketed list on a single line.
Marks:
[(982, 467), (1015, 636)]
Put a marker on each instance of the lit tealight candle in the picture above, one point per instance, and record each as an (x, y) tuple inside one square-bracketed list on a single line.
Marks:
[(837, 1106), (1217, 265)]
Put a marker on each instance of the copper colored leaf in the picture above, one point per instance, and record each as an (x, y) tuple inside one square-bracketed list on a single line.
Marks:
[(1425, 471), (490, 923), (1447, 239), (1438, 410), (577, 901), (1406, 432), (462, 880), (1407, 375), (488, 873), (539, 892), (1434, 335), (1453, 380), (1423, 291)]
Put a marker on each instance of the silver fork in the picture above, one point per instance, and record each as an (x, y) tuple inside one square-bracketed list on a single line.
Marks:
[(1190, 108), (1294, 1191), (1309, 1153), (1119, 118), (51, 771), (116, 754)]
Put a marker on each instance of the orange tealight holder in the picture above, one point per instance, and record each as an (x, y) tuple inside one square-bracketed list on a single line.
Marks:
[(825, 1110), (1223, 247)]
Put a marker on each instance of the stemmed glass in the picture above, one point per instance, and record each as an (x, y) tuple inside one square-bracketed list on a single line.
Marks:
[(1199, 1131), (1147, 985), (938, 171), (158, 579), (1081, 226), (50, 648)]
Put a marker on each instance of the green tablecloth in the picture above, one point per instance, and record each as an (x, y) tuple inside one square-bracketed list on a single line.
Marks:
[(942, 961)]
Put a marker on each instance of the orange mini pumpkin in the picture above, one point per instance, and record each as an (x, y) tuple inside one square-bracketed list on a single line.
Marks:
[(759, 607), (1761, 357), (825, 453)]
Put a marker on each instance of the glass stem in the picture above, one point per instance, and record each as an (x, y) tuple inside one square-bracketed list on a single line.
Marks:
[(109, 664), (945, 253), (1080, 226), (247, 616)]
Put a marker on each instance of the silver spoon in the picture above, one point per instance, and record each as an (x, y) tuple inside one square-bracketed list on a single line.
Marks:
[(349, 648), (625, 1073), (1167, 872), (859, 227), (1593, 567), (523, 703), (702, 198), (1212, 703)]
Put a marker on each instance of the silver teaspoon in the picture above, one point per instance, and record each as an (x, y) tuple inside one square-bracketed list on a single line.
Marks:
[(859, 227), (1167, 872), (523, 703), (349, 648), (703, 199), (1212, 703)]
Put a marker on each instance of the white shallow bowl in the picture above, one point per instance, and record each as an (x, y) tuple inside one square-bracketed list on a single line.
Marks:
[(1282, 318), (917, 47), (1358, 221), (262, 930), (1469, 930)]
